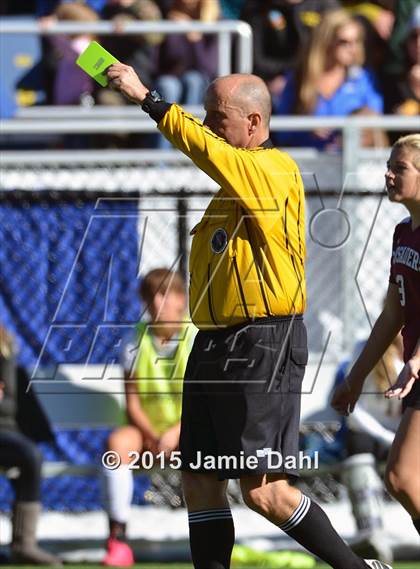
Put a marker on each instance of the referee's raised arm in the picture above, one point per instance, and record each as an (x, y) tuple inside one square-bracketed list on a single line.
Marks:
[(238, 106), (232, 145)]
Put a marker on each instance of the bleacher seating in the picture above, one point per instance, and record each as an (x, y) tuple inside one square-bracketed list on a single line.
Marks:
[(20, 62)]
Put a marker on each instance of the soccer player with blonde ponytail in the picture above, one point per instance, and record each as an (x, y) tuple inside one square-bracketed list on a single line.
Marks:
[(401, 311)]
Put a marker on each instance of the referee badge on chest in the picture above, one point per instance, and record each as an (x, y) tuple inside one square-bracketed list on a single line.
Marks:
[(219, 240)]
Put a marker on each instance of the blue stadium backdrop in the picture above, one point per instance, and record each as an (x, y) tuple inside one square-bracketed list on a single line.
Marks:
[(68, 265)]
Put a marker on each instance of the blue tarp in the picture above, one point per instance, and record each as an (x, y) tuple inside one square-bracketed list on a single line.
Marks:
[(68, 277)]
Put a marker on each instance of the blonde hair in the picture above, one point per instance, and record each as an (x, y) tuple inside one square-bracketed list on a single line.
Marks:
[(411, 142), (7, 344), (314, 57)]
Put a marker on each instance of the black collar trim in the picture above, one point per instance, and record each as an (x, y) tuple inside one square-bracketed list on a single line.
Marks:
[(267, 144)]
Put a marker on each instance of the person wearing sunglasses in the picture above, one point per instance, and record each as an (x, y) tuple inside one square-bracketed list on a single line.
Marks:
[(329, 80)]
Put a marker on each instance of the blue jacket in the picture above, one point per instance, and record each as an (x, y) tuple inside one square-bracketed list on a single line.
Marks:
[(358, 90)]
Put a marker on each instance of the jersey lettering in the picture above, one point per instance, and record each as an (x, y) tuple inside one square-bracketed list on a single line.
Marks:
[(400, 282)]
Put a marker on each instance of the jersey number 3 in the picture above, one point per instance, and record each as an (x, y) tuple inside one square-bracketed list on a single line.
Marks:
[(400, 282)]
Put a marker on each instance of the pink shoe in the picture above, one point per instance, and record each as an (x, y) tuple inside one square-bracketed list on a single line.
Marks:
[(118, 554)]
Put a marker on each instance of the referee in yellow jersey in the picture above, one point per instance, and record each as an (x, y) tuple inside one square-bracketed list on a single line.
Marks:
[(241, 403)]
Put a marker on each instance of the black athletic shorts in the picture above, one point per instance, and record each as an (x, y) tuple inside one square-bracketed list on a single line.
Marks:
[(413, 398), (241, 400)]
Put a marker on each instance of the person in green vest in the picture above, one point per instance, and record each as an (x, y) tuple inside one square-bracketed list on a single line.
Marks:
[(154, 358)]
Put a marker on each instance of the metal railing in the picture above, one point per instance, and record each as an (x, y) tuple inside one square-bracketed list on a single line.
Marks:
[(224, 29), (131, 119), (48, 112), (110, 120), (348, 177)]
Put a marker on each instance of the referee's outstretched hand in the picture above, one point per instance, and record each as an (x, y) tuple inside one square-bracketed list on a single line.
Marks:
[(124, 79), (346, 395)]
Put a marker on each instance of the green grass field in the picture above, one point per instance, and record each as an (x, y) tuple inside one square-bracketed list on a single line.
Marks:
[(405, 565)]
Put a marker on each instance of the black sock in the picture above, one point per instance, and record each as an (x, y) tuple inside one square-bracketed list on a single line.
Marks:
[(212, 536), (417, 525), (310, 526), (117, 530)]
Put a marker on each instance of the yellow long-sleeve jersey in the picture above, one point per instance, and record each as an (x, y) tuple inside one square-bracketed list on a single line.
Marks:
[(248, 251)]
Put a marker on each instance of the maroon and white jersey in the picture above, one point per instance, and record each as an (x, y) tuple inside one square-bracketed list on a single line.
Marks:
[(405, 273)]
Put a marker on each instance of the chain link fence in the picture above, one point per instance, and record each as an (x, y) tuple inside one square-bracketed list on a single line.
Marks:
[(349, 227), (349, 237)]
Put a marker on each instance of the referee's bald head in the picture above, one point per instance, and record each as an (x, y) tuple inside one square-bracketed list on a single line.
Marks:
[(249, 91), (237, 105)]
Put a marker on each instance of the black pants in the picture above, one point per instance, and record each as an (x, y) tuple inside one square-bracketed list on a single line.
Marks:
[(17, 450)]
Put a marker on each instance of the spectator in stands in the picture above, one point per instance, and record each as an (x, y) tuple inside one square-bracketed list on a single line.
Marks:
[(370, 432), (329, 81), (275, 37), (280, 27), (402, 90), (138, 50), (18, 450), (378, 13), (309, 14), (70, 84), (377, 18), (154, 359), (187, 63), (404, 10)]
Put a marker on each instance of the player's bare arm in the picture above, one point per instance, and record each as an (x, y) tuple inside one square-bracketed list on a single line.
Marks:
[(409, 374), (384, 331), (136, 414), (123, 78)]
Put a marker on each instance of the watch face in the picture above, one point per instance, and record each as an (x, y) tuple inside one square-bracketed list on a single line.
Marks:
[(155, 96), (151, 97)]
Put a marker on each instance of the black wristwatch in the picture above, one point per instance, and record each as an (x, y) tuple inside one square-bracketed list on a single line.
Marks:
[(151, 99)]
